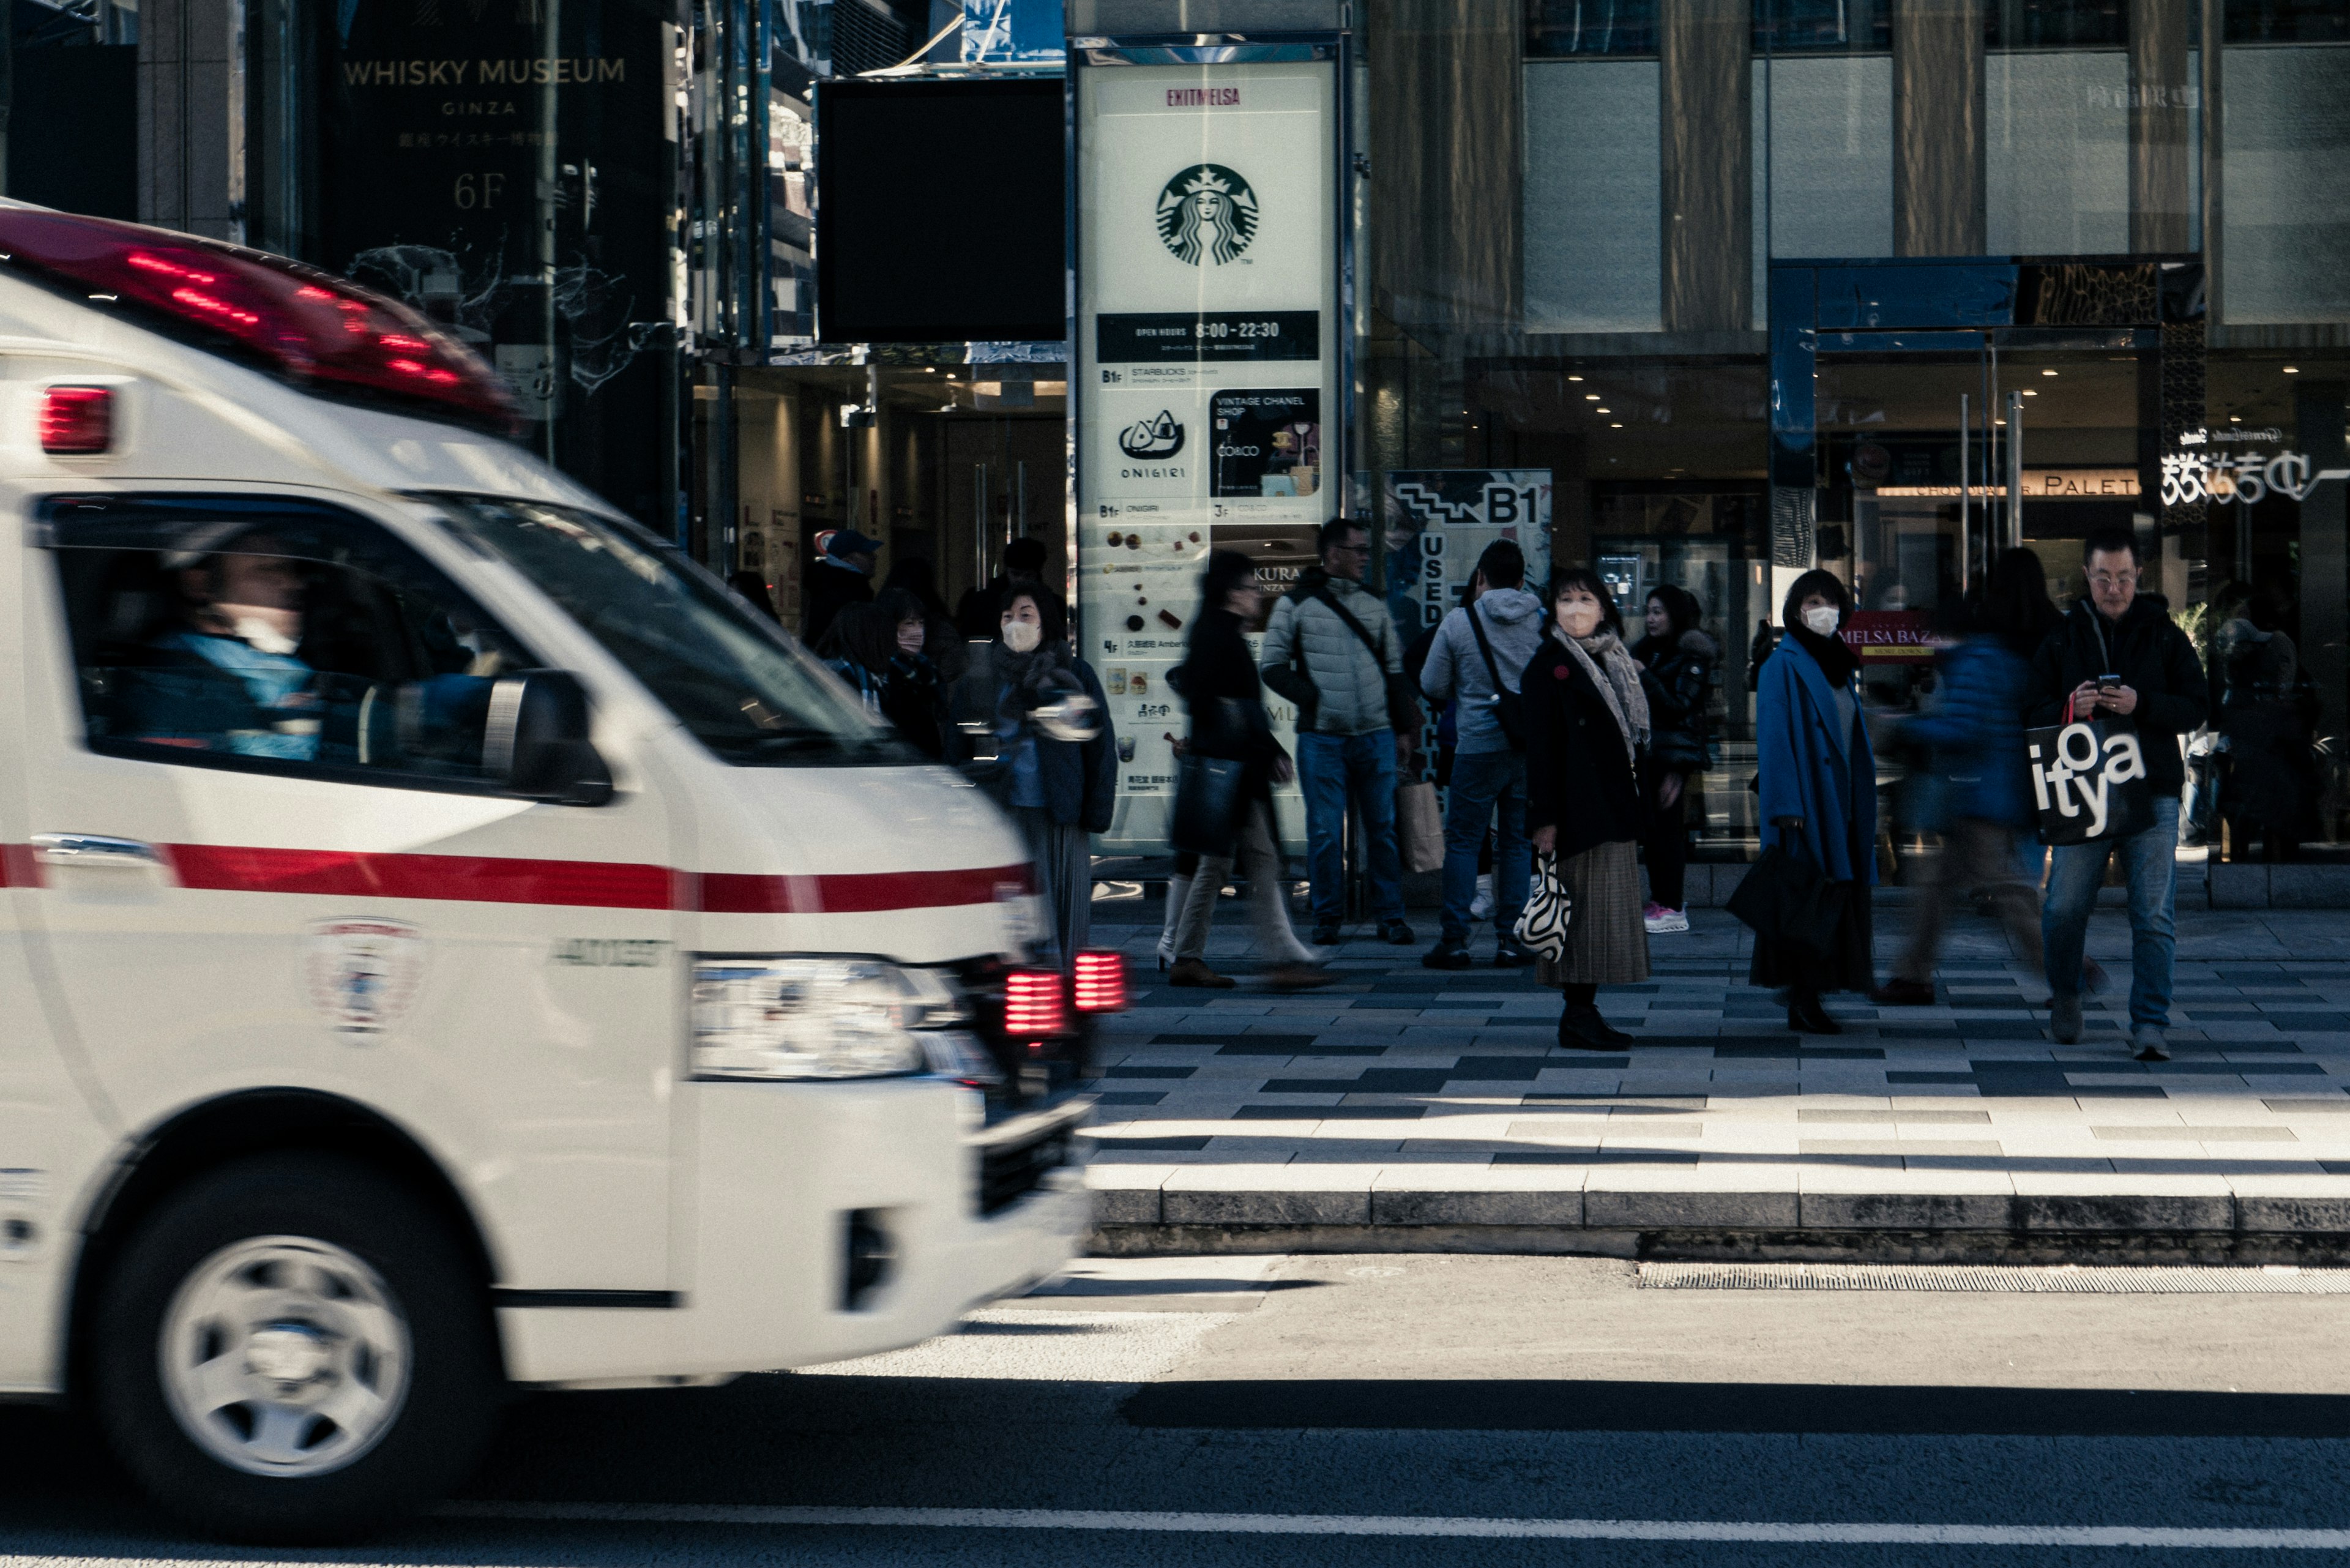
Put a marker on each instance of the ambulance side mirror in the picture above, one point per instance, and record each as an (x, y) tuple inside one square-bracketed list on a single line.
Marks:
[(536, 740)]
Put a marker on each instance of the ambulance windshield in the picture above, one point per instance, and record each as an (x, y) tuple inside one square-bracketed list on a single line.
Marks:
[(735, 682)]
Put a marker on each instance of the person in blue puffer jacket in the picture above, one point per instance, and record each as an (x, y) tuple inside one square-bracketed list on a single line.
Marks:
[(1977, 736)]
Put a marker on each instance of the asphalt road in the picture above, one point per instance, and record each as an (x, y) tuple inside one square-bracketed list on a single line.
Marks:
[(1406, 1410)]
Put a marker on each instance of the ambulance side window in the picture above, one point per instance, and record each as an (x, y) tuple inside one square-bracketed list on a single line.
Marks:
[(259, 635)]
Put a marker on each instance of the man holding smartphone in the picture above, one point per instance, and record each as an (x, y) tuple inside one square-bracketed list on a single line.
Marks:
[(2119, 657)]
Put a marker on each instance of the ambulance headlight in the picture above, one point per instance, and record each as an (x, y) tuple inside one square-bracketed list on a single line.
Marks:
[(815, 1018)]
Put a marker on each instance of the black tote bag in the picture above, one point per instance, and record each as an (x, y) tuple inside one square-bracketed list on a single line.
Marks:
[(1786, 897), (1207, 804)]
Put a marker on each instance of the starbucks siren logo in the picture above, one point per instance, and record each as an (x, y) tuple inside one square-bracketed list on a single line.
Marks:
[(1207, 209)]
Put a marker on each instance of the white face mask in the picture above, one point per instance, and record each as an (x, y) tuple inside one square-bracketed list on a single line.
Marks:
[(1578, 617), (1822, 619), (269, 630), (1022, 635)]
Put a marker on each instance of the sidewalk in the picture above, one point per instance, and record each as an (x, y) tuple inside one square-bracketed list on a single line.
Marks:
[(1412, 1109)]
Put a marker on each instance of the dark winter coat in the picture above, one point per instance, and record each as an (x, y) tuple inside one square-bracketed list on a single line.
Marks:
[(2152, 657), (913, 697), (1808, 767), (1080, 777), (1578, 775), (1678, 680), (1977, 734), (1226, 698), (830, 585)]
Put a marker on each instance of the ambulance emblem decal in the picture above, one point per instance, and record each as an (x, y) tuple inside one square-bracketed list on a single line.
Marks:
[(363, 974)]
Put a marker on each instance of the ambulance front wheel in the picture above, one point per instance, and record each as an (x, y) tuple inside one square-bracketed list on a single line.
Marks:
[(294, 1349)]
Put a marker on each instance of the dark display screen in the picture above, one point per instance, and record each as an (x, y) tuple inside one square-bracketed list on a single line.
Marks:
[(942, 212)]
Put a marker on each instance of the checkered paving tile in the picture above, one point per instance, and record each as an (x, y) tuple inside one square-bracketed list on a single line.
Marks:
[(1396, 1065)]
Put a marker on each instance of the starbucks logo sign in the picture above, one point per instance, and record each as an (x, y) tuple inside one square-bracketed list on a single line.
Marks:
[(1207, 213)]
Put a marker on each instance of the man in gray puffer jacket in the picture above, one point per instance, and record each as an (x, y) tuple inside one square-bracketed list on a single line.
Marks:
[(1489, 769), (1348, 743)]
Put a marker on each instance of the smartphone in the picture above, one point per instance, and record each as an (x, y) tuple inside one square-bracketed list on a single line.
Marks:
[(2107, 682)]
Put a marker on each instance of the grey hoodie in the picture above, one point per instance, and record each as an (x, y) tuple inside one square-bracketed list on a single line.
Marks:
[(1513, 620)]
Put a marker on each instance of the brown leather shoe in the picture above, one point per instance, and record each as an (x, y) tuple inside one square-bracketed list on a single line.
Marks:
[(1299, 977), (1903, 993), (1195, 972)]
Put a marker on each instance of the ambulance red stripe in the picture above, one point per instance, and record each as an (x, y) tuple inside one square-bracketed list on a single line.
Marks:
[(579, 884)]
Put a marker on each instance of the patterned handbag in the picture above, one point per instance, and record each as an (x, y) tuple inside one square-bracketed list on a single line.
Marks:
[(1550, 908)]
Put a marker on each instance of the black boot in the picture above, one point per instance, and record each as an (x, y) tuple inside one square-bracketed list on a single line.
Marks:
[(1581, 1028), (1806, 1015)]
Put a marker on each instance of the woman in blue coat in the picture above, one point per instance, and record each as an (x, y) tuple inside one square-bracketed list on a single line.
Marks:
[(1819, 783)]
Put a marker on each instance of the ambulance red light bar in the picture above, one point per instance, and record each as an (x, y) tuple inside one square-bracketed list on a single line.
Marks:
[(1032, 1004), (1100, 983), (77, 422), (304, 325)]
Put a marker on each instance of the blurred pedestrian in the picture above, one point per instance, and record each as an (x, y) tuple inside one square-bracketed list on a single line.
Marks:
[(943, 643), (754, 588), (1331, 649), (2256, 670), (843, 575), (1226, 698), (2117, 656), (1586, 723), (1677, 660), (857, 647), (1976, 734), (914, 688), (1054, 761), (1817, 777), (1476, 661)]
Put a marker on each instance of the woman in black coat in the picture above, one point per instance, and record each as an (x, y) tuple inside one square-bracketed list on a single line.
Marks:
[(1586, 721), (1220, 686), (1058, 779), (913, 688), (1677, 662)]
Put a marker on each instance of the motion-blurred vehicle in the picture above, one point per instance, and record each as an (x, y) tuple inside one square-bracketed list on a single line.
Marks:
[(448, 942)]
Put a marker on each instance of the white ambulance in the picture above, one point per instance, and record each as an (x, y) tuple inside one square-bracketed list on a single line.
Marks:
[(447, 941)]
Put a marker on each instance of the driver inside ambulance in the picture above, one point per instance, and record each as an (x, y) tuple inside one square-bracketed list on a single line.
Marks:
[(229, 675)]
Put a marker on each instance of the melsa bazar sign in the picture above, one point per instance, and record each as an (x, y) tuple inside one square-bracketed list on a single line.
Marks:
[(1889, 634)]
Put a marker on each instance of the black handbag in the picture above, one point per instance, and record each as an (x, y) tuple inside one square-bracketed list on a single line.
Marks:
[(1785, 897), (1207, 804), (1509, 707)]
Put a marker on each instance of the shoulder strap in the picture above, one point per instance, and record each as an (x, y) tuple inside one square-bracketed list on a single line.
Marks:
[(1377, 656), (1477, 624)]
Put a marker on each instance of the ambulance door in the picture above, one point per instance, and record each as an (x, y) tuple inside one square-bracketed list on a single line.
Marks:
[(52, 1137), (274, 854)]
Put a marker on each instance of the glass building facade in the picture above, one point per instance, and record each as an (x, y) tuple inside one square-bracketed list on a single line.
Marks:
[(1877, 284)]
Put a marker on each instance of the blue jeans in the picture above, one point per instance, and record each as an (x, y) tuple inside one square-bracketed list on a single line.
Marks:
[(1330, 769), (1482, 781), (2151, 862)]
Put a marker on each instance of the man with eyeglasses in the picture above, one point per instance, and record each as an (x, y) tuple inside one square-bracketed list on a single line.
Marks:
[(2119, 657), (1331, 648)]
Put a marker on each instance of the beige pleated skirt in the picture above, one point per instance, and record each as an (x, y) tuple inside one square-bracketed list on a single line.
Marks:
[(1607, 944)]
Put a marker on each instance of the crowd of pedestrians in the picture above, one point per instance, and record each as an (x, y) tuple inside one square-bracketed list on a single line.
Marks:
[(1563, 740)]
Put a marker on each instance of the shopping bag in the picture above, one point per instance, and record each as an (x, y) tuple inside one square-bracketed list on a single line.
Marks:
[(1549, 910), (1419, 828), (1786, 897), (2088, 781), (1207, 804)]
